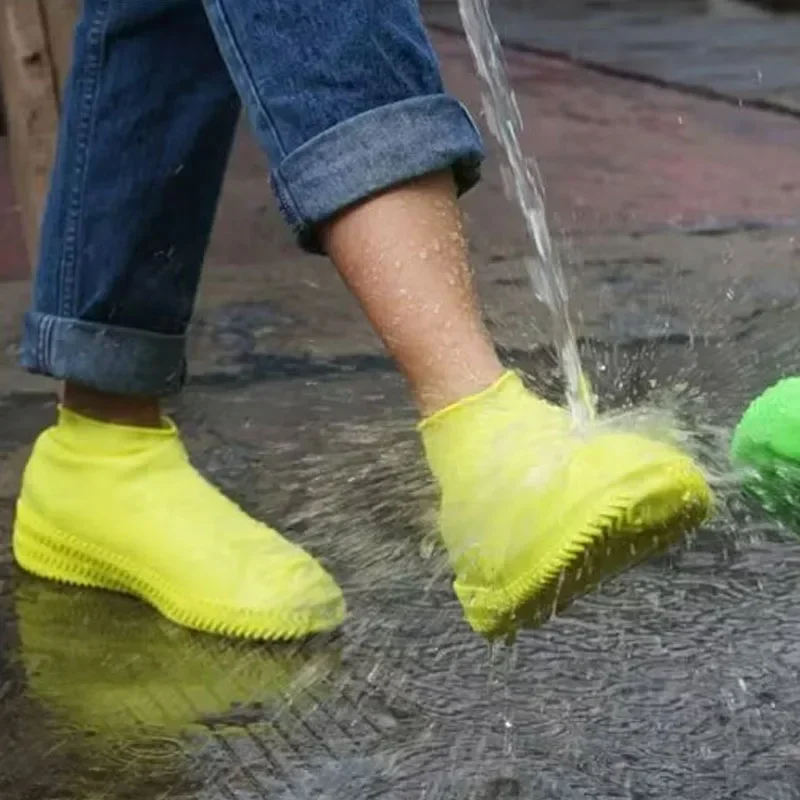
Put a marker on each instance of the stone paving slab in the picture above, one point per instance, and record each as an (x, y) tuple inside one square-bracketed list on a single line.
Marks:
[(623, 156), (737, 49)]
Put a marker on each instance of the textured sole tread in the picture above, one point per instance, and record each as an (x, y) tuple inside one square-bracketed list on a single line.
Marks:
[(619, 538)]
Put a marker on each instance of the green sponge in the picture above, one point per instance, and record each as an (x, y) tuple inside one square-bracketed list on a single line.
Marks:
[(767, 441)]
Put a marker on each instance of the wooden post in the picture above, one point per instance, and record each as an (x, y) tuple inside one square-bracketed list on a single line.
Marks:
[(35, 47), (60, 17)]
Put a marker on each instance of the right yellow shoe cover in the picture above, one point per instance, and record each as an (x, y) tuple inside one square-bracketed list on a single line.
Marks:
[(121, 508), (534, 514)]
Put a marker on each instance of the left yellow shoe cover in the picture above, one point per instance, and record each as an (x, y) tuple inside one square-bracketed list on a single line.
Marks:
[(121, 508)]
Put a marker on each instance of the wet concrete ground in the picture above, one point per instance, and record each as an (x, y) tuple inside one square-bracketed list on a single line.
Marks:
[(677, 681)]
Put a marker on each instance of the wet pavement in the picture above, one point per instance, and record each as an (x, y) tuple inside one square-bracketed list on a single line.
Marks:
[(677, 681)]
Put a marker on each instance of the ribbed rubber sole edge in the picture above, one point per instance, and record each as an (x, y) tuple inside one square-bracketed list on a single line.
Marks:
[(502, 612), (53, 558)]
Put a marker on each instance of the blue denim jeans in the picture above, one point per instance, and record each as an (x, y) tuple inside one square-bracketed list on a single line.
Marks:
[(345, 97)]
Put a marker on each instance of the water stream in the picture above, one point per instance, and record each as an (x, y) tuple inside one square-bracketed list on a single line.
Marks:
[(524, 186)]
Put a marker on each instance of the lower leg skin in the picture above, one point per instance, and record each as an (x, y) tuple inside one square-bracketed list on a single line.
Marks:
[(404, 255), (115, 408)]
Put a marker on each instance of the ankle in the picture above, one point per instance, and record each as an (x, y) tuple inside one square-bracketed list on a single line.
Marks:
[(144, 412), (435, 392)]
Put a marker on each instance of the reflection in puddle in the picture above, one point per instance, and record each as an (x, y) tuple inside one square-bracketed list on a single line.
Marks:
[(139, 699)]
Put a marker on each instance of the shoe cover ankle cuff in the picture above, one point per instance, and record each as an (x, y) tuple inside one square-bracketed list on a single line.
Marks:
[(509, 382), (96, 435)]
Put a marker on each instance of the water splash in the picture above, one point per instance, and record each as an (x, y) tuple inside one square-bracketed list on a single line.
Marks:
[(523, 184)]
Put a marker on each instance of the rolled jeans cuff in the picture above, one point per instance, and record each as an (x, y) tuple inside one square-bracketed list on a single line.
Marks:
[(371, 152), (104, 357)]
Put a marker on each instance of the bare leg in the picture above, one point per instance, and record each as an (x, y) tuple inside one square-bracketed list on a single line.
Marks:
[(116, 408), (404, 255)]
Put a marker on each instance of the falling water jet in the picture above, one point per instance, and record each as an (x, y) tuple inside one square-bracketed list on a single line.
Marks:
[(524, 185)]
